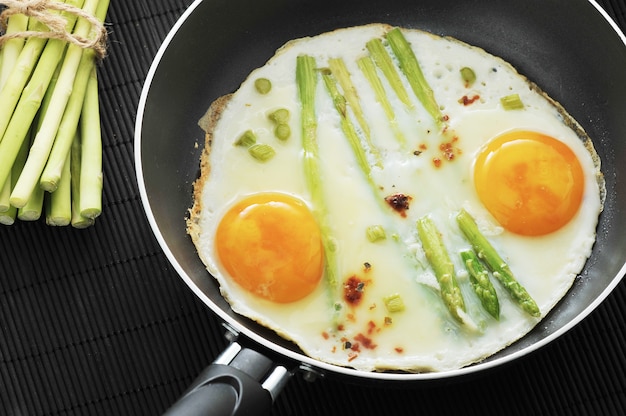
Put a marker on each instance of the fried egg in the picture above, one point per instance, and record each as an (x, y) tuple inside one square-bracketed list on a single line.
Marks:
[(335, 263)]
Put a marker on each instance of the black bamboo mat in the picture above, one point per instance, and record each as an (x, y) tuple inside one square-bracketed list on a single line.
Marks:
[(96, 322)]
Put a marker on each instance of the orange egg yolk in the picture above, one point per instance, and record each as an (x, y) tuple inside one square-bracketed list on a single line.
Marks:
[(271, 245), (531, 183)]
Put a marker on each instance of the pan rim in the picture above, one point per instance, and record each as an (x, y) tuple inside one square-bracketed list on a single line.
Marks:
[(301, 357)]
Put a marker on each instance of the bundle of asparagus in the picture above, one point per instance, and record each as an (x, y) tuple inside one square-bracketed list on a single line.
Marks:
[(50, 137)]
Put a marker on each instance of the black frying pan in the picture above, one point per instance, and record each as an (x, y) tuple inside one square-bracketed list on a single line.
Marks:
[(570, 48)]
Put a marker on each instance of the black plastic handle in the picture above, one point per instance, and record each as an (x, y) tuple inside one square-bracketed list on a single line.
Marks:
[(241, 381)]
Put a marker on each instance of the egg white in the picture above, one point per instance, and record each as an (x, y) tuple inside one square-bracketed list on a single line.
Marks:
[(423, 337)]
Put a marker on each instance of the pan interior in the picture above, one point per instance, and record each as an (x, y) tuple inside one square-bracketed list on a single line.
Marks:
[(579, 61)]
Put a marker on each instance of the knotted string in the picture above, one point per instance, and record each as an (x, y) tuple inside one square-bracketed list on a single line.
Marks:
[(40, 10)]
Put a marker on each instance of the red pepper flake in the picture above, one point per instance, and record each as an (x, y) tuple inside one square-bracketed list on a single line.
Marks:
[(399, 350), (399, 202), (352, 356), (340, 327), (356, 347), (365, 341), (325, 335), (371, 326), (449, 152), (353, 290), (465, 100)]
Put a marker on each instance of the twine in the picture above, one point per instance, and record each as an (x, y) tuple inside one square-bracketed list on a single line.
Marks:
[(40, 10)]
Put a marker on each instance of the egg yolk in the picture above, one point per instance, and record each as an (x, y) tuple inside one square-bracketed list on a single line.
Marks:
[(271, 245), (531, 183)]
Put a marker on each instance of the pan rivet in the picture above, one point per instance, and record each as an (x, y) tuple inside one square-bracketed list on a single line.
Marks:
[(310, 374)]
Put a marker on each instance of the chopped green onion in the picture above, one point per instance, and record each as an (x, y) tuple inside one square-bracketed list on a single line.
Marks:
[(512, 102), (262, 152), (375, 233), (279, 116), (468, 75), (247, 139), (394, 303), (282, 131), (263, 85)]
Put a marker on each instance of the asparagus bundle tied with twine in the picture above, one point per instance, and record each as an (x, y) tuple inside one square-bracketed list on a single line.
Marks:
[(49, 51)]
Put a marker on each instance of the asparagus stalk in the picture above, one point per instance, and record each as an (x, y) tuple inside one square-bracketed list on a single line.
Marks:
[(306, 79), (342, 75), (439, 260), (411, 69), (346, 125), (91, 152), (369, 70), (38, 59), (65, 135), (8, 217), (12, 48), (500, 269), (78, 221), (384, 62), (59, 203), (19, 76), (10, 54), (32, 210), (31, 97), (40, 150), (479, 279)]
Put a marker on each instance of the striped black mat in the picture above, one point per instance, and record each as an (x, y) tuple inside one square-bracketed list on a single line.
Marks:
[(96, 322)]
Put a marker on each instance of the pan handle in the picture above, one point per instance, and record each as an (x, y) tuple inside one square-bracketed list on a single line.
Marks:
[(240, 381)]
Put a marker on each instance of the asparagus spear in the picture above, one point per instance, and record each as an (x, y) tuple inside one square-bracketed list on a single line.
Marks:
[(8, 217), (383, 61), (69, 123), (496, 264), (439, 260), (342, 75), (31, 97), (306, 79), (31, 211), (411, 69), (40, 150), (12, 48), (10, 53), (78, 220), (369, 70), (479, 279), (346, 125), (91, 152), (19, 76), (59, 203)]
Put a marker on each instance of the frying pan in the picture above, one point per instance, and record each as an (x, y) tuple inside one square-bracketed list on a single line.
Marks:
[(572, 49)]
